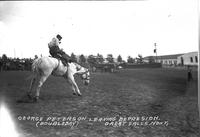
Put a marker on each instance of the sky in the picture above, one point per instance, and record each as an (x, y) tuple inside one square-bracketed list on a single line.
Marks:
[(125, 28)]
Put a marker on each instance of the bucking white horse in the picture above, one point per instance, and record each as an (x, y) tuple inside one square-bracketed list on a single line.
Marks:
[(45, 66)]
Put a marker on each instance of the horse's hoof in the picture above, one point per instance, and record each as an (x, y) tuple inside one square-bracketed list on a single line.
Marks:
[(79, 95), (29, 96), (74, 93), (20, 101), (35, 99)]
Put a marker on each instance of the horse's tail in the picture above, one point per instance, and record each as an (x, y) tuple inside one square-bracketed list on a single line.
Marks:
[(35, 69), (34, 66)]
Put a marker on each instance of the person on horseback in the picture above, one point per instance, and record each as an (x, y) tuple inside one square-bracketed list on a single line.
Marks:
[(56, 52)]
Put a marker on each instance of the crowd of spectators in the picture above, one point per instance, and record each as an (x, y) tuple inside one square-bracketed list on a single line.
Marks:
[(15, 64)]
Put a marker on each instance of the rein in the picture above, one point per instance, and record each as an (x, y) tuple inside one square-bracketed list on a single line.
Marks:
[(85, 72), (79, 67), (87, 76)]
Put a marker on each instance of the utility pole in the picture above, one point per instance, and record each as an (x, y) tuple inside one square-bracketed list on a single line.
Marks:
[(155, 51), (21, 55), (14, 53)]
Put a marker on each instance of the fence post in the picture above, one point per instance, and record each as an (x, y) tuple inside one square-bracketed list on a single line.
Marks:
[(199, 87)]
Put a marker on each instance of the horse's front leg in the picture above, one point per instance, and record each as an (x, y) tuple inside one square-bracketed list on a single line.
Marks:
[(74, 85), (73, 88)]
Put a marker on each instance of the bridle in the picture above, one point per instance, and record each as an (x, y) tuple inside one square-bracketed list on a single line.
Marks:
[(87, 76), (78, 67)]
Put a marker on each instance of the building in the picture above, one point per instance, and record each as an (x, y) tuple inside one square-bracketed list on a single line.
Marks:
[(188, 59), (149, 59), (168, 59), (165, 59), (184, 59)]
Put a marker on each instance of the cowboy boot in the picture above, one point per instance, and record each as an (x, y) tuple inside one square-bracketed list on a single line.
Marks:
[(64, 63)]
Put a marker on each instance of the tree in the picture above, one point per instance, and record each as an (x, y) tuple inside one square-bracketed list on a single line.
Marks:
[(82, 59), (91, 60), (110, 58), (4, 61), (36, 56), (100, 58), (130, 60), (4, 58), (73, 57), (139, 59), (119, 58)]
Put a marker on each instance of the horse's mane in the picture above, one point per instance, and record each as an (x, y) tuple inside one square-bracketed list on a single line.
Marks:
[(78, 66)]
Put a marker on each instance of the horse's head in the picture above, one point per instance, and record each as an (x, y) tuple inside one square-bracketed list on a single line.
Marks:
[(86, 77), (82, 71)]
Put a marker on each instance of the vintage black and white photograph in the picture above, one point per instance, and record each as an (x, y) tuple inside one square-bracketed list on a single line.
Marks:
[(99, 68)]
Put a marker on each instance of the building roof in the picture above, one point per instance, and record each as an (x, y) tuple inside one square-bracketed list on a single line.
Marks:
[(174, 56), (191, 53)]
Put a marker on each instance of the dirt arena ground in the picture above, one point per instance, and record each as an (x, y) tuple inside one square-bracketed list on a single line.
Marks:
[(130, 103)]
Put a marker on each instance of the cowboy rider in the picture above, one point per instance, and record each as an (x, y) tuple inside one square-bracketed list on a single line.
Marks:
[(56, 52)]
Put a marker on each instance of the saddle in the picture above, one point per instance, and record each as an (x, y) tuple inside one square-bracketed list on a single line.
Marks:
[(62, 60)]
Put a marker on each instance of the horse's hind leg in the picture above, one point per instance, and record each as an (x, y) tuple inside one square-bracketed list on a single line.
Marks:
[(31, 86), (40, 83)]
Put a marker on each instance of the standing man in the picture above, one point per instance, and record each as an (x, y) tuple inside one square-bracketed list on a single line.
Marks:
[(56, 52)]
